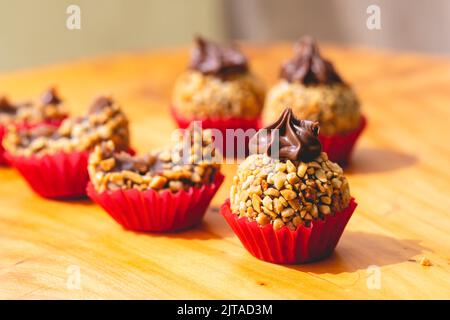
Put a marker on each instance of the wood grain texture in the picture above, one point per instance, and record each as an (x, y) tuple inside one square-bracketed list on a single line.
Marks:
[(399, 176)]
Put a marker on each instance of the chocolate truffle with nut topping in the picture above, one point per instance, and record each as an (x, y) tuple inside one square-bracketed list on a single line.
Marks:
[(290, 181), (217, 84), (190, 162), (49, 107), (312, 87), (104, 121)]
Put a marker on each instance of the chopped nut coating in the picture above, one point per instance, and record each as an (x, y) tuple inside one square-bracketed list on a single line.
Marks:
[(290, 193), (164, 169)]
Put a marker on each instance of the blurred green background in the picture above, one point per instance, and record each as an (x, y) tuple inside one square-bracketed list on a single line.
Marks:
[(33, 32)]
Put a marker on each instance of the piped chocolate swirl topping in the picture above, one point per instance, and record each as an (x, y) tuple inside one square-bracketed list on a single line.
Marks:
[(50, 97), (100, 103), (296, 140), (211, 59), (6, 107), (307, 66)]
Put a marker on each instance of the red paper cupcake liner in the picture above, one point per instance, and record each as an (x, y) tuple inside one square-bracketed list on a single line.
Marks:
[(162, 211), (222, 124), (3, 161), (22, 125), (62, 175), (339, 147), (58, 176), (284, 246)]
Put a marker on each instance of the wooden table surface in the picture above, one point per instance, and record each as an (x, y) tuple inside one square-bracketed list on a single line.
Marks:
[(400, 177)]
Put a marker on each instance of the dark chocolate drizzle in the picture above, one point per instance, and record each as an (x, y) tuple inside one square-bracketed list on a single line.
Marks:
[(307, 66), (50, 97), (125, 161), (41, 131), (297, 139), (100, 103), (211, 59), (7, 107)]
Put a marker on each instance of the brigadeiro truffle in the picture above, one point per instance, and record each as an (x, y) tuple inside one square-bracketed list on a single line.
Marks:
[(164, 191), (218, 89), (53, 160), (48, 110), (288, 202), (315, 91)]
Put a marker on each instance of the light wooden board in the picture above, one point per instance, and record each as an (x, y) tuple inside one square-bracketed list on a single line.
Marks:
[(399, 176)]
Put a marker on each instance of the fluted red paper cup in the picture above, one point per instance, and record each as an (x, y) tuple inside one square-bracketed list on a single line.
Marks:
[(3, 161), (283, 246), (157, 211), (240, 148), (62, 175), (339, 147), (19, 126)]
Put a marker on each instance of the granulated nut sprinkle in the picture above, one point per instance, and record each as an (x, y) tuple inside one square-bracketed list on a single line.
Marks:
[(288, 193), (425, 262), (104, 121), (199, 95), (184, 165), (48, 108)]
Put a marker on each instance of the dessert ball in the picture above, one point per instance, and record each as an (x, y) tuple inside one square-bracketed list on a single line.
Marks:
[(289, 181), (166, 190), (49, 108), (218, 84), (53, 159), (190, 162), (104, 121), (314, 90)]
